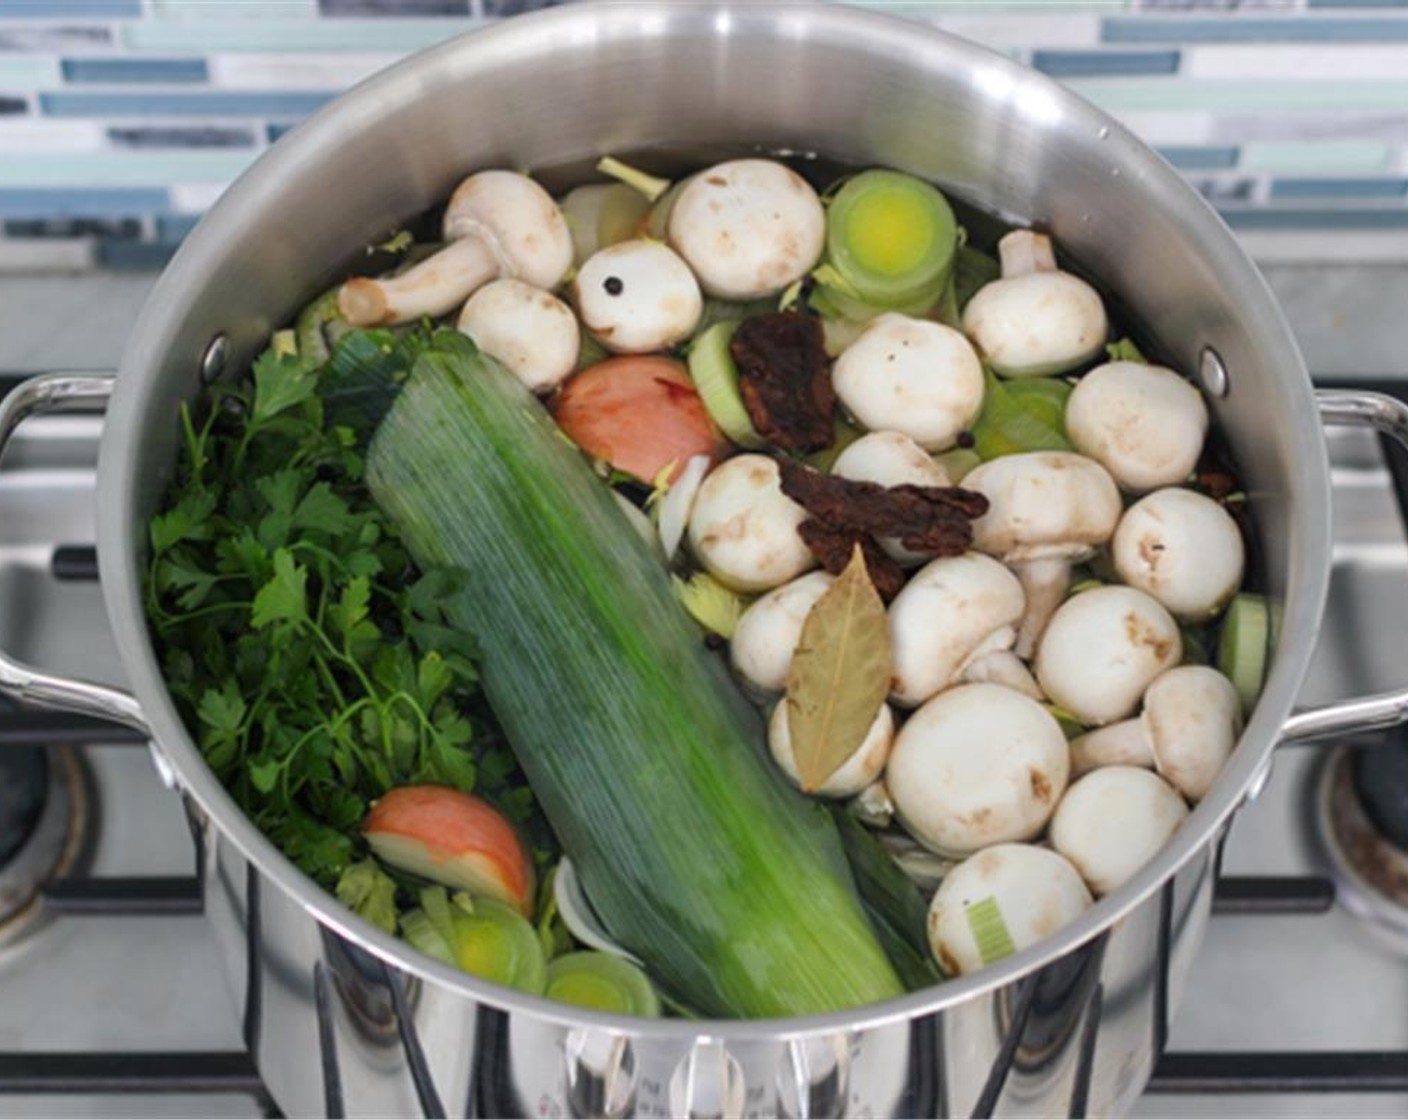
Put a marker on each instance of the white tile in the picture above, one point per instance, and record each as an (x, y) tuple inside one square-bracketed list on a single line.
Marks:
[(296, 71), (40, 255), (1359, 62), (1027, 29), (195, 198), (51, 136), (1155, 127)]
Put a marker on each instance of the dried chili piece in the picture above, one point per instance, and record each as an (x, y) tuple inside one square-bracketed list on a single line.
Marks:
[(936, 519), (785, 380), (833, 549)]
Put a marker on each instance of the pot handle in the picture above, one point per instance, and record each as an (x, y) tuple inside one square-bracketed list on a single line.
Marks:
[(1388, 416), (51, 392)]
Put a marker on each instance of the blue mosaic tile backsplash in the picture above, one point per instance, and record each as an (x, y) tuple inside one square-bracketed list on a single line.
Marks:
[(122, 120)]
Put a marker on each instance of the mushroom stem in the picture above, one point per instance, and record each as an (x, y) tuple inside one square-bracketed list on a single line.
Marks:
[(1023, 251), (434, 287), (1002, 666), (1120, 744), (1044, 582)]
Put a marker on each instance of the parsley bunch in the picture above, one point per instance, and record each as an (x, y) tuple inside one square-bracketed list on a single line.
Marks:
[(310, 659)]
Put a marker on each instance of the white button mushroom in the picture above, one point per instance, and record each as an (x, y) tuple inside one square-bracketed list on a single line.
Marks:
[(977, 765), (1110, 746), (1113, 821), (858, 772), (1143, 423), (1035, 892), (1047, 510), (767, 633), (637, 297), (1103, 648), (497, 223), (532, 332), (891, 459), (743, 528), (748, 228), (1189, 725), (913, 376), (1184, 549), (1036, 320), (953, 621)]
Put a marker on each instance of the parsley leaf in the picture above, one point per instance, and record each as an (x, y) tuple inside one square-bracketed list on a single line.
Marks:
[(312, 661), (285, 597), (280, 382)]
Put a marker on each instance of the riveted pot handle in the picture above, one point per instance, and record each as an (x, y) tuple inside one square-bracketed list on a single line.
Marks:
[(1388, 416), (52, 392)]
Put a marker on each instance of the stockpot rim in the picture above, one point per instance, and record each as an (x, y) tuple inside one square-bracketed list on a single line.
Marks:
[(890, 39)]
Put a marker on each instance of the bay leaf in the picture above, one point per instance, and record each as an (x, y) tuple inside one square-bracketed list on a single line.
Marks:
[(840, 675)]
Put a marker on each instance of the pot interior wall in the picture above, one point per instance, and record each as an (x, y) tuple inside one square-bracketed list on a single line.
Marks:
[(554, 93)]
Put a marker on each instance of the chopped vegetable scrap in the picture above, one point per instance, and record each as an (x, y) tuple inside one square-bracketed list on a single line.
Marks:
[(785, 378)]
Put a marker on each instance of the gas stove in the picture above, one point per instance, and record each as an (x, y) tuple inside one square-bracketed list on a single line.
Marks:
[(113, 1000)]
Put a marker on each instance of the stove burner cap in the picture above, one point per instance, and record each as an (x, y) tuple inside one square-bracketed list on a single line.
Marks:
[(24, 786), (42, 803), (1358, 792)]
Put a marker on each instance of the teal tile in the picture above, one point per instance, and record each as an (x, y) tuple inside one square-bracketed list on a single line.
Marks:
[(66, 9), (1192, 157), (217, 103), (1278, 29), (1342, 189), (112, 169), (135, 70), (180, 36), (1317, 156), (1277, 217), (1101, 64), (84, 202), (1228, 95)]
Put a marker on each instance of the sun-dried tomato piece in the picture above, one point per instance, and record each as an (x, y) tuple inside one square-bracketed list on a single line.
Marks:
[(785, 379), (833, 548), (936, 519)]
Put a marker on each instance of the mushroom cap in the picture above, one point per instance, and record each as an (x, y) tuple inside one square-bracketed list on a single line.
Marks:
[(891, 459), (913, 376), (858, 772), (532, 332), (1184, 549), (748, 228), (1102, 649), (743, 528), (767, 633), (951, 610), (1043, 505), (1036, 324), (1143, 423), (977, 765), (1036, 891), (518, 220), (1192, 718), (637, 297), (1113, 821)]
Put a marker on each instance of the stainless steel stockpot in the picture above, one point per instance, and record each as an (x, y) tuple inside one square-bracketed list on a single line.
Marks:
[(1070, 1025)]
